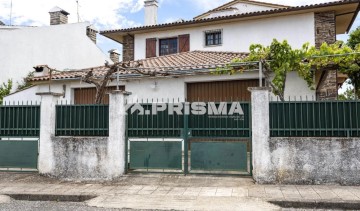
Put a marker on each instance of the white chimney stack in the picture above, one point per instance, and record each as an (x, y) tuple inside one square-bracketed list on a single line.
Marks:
[(151, 10)]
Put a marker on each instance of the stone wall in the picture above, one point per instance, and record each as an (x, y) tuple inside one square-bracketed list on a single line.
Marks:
[(325, 28), (57, 18), (325, 31), (80, 158), (315, 160), (327, 89), (128, 48)]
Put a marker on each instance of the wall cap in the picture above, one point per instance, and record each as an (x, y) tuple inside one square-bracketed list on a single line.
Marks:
[(259, 89), (120, 92), (50, 93)]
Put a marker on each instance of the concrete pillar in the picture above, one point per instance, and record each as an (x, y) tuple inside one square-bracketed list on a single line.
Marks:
[(262, 165), (46, 162), (116, 149)]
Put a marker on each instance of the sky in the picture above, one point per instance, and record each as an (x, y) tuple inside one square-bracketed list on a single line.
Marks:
[(115, 14)]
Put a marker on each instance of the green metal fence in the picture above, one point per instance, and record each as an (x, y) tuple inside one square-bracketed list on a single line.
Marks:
[(160, 125), (227, 126), (164, 124), (82, 120), (315, 119), (20, 121)]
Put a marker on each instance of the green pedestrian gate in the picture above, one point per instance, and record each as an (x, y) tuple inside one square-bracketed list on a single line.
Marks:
[(19, 137), (202, 138)]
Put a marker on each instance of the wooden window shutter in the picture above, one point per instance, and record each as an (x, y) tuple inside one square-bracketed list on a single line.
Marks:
[(150, 47), (184, 43)]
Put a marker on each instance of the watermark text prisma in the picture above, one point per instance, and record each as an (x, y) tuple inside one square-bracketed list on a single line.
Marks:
[(212, 109)]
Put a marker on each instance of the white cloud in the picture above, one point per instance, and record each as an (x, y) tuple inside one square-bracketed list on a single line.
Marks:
[(107, 14)]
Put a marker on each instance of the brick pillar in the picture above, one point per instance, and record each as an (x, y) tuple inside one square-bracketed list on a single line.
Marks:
[(327, 89), (128, 48), (325, 31), (325, 28)]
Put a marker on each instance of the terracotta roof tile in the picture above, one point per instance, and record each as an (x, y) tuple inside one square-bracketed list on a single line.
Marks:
[(193, 60), (235, 16)]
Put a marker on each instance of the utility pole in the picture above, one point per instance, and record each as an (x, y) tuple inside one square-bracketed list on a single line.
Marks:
[(77, 9), (11, 6)]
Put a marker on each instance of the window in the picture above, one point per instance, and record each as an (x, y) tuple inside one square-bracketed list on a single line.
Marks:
[(213, 38), (168, 46)]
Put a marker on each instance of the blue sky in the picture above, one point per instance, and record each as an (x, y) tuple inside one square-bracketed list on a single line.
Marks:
[(114, 14)]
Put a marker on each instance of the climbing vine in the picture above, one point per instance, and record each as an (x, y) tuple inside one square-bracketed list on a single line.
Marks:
[(5, 89), (280, 58)]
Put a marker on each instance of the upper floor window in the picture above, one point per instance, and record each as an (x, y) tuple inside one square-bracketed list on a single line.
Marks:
[(168, 46), (165, 46), (213, 38)]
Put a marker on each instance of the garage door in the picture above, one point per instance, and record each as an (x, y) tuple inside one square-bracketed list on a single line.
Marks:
[(220, 91), (87, 95), (220, 155)]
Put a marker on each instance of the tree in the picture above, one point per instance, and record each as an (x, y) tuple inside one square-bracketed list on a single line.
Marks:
[(354, 38), (5, 90), (102, 83), (280, 58), (25, 83), (349, 94)]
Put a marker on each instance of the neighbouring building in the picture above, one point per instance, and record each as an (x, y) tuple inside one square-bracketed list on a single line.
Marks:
[(61, 45), (191, 48)]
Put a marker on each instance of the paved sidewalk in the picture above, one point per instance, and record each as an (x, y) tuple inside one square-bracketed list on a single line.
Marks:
[(177, 192)]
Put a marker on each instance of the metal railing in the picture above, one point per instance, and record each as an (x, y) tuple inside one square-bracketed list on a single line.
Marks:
[(82, 120), (20, 120), (164, 124), (315, 119)]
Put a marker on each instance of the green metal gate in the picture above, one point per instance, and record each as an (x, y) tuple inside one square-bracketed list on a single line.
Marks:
[(18, 155), (19, 137), (188, 142)]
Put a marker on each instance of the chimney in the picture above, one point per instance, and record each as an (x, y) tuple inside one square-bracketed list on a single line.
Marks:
[(114, 55), (41, 70), (151, 7), (58, 16), (91, 32)]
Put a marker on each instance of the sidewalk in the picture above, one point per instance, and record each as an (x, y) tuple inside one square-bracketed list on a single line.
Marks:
[(177, 192)]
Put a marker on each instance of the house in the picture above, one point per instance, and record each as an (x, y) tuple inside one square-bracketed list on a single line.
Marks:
[(60, 45), (183, 53)]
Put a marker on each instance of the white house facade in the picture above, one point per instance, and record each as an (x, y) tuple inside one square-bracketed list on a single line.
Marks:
[(61, 46), (179, 57)]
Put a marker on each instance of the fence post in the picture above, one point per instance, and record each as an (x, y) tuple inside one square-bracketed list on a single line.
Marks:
[(261, 157), (116, 148), (46, 161)]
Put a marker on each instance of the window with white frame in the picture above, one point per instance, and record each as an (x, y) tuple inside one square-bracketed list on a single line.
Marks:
[(213, 38)]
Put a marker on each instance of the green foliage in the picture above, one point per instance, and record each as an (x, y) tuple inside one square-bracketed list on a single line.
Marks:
[(280, 58), (5, 89), (25, 83), (354, 38), (349, 94), (341, 57)]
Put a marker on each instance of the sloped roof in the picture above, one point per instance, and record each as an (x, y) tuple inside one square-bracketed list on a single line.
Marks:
[(175, 63), (334, 4), (2, 24), (229, 5)]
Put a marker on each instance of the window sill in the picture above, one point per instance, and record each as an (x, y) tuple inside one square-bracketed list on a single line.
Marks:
[(209, 46)]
